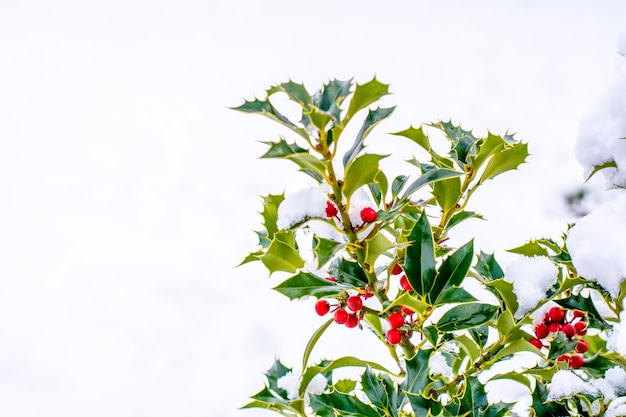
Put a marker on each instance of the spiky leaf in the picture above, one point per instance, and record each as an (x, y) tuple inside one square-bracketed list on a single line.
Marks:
[(419, 261), (307, 284)]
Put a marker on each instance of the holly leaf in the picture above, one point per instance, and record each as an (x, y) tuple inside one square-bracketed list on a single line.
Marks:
[(347, 272), (429, 177), (417, 135), (366, 94), (325, 249), (331, 96), (339, 404), (265, 108), (531, 248), (466, 316), (281, 257), (508, 159), (419, 261), (363, 170), (306, 284), (579, 302), (282, 149), (462, 216), (270, 213), (453, 270), (296, 92), (488, 267)]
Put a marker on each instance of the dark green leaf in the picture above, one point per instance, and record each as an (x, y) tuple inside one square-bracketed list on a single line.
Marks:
[(431, 334), (282, 149), (419, 261), (373, 118), (313, 341), (307, 284), (338, 404), (397, 184), (462, 216), (416, 135), (488, 267), (466, 316), (308, 163), (578, 302), (453, 270), (375, 390), (474, 399), (366, 94), (361, 171), (480, 335), (544, 408), (431, 176), (560, 345), (454, 295), (331, 96), (296, 92), (347, 272), (277, 371), (265, 108), (325, 249), (416, 380)]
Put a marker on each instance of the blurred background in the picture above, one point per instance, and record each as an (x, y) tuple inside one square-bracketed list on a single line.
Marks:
[(129, 190)]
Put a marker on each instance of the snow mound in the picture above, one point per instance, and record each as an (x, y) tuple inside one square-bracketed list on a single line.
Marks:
[(531, 278)]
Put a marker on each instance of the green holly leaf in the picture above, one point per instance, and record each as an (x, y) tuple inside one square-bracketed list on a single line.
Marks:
[(265, 108), (397, 184), (419, 260), (596, 168), (277, 371), (447, 192), (544, 408), (407, 300), (339, 404), (531, 248), (415, 383), (560, 345), (462, 216), (374, 247), (313, 341), (281, 256), (486, 148), (488, 267), (306, 284), (507, 159), (463, 142), (329, 99), (375, 390), (373, 118), (361, 171), (474, 399), (466, 316), (454, 295), (366, 94), (347, 272), (453, 270), (579, 302), (296, 92), (325, 249), (282, 149), (309, 165), (429, 177), (417, 135), (504, 290), (270, 213)]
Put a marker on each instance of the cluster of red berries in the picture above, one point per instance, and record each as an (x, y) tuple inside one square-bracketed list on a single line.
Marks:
[(399, 323), (368, 214), (348, 310), (571, 325)]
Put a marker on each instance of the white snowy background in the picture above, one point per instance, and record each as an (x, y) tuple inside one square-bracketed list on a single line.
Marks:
[(128, 189)]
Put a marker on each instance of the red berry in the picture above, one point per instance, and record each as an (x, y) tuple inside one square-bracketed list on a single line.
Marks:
[(407, 310), (331, 279), (569, 330), (322, 307), (396, 320), (331, 209), (394, 336), (556, 314), (405, 284), (576, 361), (581, 328), (582, 346), (368, 214), (578, 313), (536, 343), (554, 327), (341, 316), (541, 331), (564, 358), (352, 321), (397, 270), (354, 303)]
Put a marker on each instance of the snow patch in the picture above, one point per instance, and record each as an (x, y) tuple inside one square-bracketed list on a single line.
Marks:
[(531, 278), (568, 383)]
